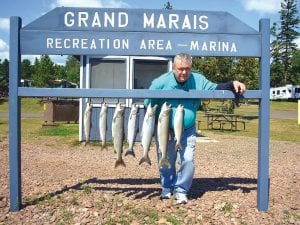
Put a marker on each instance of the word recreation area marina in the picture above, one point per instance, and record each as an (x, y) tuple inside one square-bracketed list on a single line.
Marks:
[(102, 43)]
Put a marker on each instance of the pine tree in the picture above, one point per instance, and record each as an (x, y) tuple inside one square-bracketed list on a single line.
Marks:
[(289, 22), (168, 5)]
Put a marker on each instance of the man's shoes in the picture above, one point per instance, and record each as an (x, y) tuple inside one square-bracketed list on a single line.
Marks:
[(181, 198), (165, 194)]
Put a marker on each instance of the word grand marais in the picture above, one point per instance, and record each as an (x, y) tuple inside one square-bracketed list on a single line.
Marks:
[(150, 21), (120, 19)]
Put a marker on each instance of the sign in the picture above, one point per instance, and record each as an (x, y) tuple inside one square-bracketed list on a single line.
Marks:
[(87, 31)]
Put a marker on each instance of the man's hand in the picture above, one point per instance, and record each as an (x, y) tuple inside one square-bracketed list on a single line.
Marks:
[(239, 87)]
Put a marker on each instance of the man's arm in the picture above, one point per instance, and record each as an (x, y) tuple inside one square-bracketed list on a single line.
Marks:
[(235, 86)]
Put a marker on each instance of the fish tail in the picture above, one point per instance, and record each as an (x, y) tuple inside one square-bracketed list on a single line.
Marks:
[(145, 159), (130, 152), (178, 146), (164, 162), (103, 147), (120, 162)]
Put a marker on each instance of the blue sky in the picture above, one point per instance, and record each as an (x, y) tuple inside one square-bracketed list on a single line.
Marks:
[(248, 11)]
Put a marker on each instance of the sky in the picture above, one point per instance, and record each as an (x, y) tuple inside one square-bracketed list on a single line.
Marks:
[(248, 11)]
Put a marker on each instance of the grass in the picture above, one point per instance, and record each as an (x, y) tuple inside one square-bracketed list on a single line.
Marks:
[(32, 105), (280, 129)]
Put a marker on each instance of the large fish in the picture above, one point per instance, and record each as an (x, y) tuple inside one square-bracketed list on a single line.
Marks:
[(103, 124), (178, 125), (163, 133), (118, 133), (147, 132), (132, 129), (87, 122)]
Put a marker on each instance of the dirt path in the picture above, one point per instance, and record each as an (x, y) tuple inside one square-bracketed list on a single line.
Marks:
[(79, 185)]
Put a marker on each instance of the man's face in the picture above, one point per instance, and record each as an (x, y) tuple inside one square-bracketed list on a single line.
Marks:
[(182, 70)]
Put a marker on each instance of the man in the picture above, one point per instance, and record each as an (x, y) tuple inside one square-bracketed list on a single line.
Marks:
[(181, 77)]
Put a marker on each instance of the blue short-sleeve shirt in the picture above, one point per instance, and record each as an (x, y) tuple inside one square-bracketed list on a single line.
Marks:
[(168, 81)]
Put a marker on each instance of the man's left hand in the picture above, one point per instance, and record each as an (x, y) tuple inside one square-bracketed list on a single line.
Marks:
[(239, 87)]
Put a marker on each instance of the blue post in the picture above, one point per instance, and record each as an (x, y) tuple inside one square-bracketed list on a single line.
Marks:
[(14, 116), (264, 118)]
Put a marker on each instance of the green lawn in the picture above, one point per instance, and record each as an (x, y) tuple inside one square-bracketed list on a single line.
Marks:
[(32, 105), (280, 129)]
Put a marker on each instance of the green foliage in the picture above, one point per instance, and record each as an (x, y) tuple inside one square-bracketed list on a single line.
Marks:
[(168, 5), (222, 69), (43, 71), (26, 69), (72, 69), (4, 76), (295, 68), (283, 47)]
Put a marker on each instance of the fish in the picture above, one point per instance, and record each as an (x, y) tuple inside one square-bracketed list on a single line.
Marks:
[(132, 129), (87, 122), (118, 134), (178, 125), (103, 124), (163, 133), (147, 133)]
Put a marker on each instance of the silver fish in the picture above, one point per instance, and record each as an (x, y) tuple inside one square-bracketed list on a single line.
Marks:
[(87, 122), (147, 132), (103, 124), (132, 129), (178, 125), (163, 133), (118, 133)]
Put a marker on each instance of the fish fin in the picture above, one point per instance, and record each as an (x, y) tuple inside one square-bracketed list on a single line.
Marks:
[(164, 163), (130, 152), (145, 159), (120, 162)]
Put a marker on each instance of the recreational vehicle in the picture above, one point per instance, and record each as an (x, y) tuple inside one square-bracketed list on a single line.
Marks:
[(287, 92)]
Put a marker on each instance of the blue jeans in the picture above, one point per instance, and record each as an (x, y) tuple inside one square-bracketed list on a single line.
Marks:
[(181, 181)]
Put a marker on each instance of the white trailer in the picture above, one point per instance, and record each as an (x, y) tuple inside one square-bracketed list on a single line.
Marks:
[(286, 92)]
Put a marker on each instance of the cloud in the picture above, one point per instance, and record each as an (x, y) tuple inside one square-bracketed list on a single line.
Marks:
[(4, 54), (265, 6), (3, 46), (90, 3), (4, 24), (115, 4), (78, 3)]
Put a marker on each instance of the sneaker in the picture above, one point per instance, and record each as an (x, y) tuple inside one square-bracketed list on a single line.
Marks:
[(181, 198), (165, 194)]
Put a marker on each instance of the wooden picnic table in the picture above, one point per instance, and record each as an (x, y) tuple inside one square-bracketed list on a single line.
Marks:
[(222, 119)]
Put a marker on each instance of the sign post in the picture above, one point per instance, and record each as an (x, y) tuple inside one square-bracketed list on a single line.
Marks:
[(86, 31)]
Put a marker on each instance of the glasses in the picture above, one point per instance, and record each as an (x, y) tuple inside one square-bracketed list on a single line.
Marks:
[(186, 69)]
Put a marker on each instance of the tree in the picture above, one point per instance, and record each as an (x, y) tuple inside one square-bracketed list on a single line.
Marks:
[(246, 70), (287, 33), (72, 69), (4, 77), (26, 69), (43, 71), (295, 68), (168, 5), (277, 70)]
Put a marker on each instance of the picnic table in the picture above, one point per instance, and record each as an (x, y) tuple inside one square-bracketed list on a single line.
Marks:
[(223, 120)]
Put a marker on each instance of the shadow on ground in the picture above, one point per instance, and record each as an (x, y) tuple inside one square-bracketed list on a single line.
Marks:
[(138, 187)]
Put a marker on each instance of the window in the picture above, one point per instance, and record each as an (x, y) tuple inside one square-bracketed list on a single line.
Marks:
[(146, 70), (108, 73)]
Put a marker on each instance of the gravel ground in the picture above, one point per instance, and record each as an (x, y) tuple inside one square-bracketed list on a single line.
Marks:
[(79, 185)]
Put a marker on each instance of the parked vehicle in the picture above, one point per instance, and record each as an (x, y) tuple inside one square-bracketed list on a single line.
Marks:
[(287, 92)]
